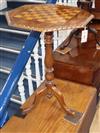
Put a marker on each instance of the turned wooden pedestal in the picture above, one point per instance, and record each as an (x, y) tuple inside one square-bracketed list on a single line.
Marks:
[(48, 117)]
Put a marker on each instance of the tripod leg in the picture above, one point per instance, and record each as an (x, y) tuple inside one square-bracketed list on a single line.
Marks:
[(61, 101), (25, 109)]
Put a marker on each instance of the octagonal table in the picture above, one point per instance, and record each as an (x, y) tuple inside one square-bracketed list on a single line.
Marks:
[(48, 18)]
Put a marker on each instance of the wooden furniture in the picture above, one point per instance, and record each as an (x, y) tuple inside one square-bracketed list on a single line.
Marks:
[(47, 116), (60, 17), (87, 5), (96, 12), (42, 19), (82, 63)]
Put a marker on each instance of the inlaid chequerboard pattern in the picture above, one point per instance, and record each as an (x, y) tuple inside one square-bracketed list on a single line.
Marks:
[(48, 17), (41, 14)]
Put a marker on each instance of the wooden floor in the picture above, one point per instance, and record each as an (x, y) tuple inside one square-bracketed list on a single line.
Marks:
[(95, 127), (48, 117)]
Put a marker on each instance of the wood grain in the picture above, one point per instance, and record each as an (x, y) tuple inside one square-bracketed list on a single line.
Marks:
[(48, 117)]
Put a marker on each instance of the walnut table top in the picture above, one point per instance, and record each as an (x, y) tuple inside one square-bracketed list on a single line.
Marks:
[(48, 17)]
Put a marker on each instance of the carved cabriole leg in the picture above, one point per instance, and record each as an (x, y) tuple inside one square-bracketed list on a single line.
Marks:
[(25, 109), (50, 75)]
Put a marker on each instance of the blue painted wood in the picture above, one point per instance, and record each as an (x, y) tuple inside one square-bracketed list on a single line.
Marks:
[(16, 72), (4, 118), (51, 1)]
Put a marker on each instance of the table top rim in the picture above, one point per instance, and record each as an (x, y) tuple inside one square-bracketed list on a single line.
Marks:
[(53, 28)]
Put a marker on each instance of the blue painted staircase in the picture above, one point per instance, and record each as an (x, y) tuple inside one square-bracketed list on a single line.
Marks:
[(11, 62)]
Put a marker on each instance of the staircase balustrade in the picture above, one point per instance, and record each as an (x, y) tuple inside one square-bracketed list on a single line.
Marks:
[(36, 62)]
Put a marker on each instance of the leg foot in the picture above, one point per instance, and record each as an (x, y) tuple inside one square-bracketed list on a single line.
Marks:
[(71, 115), (61, 101), (74, 119)]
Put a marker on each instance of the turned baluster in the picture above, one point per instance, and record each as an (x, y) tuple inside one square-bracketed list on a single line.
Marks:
[(29, 76), (21, 89)]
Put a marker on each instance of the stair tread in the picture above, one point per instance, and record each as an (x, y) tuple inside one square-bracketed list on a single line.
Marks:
[(6, 62), (47, 115), (5, 68), (16, 94), (16, 42), (2, 12), (3, 78)]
